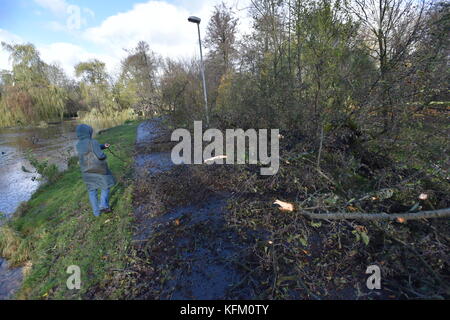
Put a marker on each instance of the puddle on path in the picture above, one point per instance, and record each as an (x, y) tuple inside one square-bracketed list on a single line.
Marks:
[(209, 271)]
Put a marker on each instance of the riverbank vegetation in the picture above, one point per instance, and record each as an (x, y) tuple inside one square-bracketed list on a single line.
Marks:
[(56, 228), (360, 94), (34, 92)]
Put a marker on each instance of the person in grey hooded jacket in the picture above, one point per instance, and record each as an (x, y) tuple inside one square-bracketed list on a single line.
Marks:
[(94, 181)]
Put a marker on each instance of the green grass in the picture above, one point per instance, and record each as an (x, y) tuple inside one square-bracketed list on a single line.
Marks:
[(56, 229)]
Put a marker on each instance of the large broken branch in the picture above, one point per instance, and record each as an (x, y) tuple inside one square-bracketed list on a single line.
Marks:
[(379, 216)]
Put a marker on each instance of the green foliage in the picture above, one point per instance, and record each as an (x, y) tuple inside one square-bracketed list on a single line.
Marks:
[(34, 92), (104, 119), (137, 86), (361, 236), (13, 247), (31, 105), (48, 171), (181, 92), (72, 162), (92, 72), (28, 95)]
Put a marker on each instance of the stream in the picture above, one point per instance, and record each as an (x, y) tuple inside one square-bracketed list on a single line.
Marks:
[(207, 248), (55, 142)]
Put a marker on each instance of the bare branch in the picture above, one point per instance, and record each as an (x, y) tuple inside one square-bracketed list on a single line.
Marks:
[(441, 213)]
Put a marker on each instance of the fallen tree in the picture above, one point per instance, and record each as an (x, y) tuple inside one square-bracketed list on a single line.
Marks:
[(441, 213)]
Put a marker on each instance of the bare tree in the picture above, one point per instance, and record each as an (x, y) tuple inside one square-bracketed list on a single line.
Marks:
[(221, 36), (139, 69), (390, 30)]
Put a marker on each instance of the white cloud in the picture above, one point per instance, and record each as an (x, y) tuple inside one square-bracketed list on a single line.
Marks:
[(71, 18), (163, 25), (245, 21), (67, 55)]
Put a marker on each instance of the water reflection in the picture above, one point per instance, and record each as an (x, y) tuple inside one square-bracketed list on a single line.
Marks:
[(52, 142), (10, 280), (55, 142)]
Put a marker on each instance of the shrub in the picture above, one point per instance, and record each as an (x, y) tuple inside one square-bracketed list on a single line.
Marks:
[(72, 162), (48, 171)]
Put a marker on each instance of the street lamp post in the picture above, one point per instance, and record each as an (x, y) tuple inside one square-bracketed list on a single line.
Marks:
[(197, 20)]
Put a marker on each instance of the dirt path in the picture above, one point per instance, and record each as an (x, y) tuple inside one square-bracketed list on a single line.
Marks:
[(184, 248)]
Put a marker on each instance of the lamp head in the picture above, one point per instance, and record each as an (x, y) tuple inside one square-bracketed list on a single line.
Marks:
[(194, 19)]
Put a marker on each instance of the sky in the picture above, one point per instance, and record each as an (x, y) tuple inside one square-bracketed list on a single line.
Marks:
[(69, 31)]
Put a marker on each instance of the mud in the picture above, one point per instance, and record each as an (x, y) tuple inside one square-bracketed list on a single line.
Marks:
[(200, 247)]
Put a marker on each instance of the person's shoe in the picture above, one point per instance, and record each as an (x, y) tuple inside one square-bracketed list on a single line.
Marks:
[(106, 210)]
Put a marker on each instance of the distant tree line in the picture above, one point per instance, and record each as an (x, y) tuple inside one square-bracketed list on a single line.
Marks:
[(309, 66), (34, 91)]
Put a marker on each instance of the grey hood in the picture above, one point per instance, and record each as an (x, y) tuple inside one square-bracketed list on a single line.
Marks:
[(84, 131)]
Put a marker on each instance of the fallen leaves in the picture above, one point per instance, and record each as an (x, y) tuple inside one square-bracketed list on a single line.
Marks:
[(361, 228), (284, 206)]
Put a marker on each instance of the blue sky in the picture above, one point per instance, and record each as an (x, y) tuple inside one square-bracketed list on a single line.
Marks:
[(33, 19), (69, 31)]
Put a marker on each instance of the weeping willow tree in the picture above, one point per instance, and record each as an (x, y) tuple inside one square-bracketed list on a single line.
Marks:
[(27, 94), (101, 99)]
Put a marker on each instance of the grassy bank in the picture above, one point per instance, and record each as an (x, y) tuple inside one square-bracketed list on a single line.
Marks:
[(56, 229)]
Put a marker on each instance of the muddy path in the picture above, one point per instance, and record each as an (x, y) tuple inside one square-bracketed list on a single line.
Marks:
[(184, 249)]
